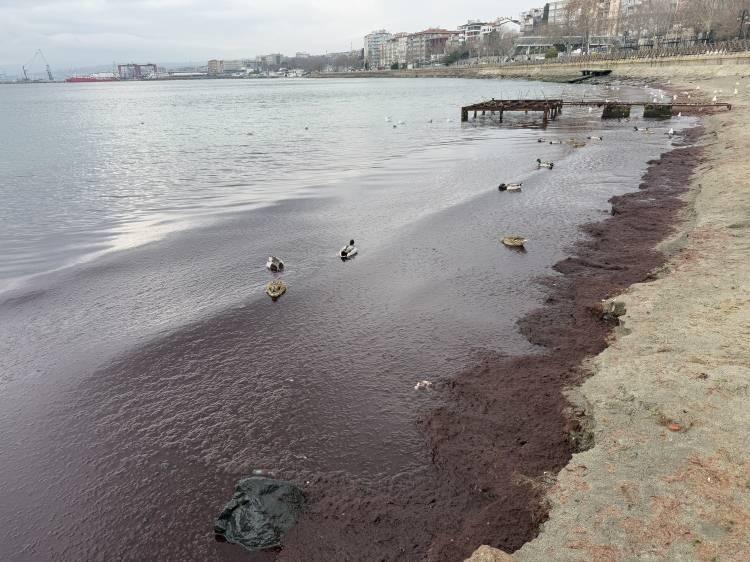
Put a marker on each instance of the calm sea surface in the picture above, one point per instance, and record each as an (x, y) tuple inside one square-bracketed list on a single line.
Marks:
[(143, 371)]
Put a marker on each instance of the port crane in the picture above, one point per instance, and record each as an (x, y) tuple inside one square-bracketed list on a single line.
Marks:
[(39, 54)]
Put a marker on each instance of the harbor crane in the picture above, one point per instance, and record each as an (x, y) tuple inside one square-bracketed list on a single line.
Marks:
[(26, 66)]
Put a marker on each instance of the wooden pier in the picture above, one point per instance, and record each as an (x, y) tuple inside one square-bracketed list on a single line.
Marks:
[(551, 108)]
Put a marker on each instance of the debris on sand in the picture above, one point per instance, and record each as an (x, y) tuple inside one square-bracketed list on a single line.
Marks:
[(613, 309), (260, 512)]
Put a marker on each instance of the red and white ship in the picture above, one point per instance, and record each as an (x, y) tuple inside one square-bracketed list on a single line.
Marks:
[(103, 77)]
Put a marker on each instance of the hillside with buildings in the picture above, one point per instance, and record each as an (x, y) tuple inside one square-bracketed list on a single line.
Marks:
[(562, 29)]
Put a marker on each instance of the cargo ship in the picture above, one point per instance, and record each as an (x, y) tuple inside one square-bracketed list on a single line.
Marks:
[(93, 78)]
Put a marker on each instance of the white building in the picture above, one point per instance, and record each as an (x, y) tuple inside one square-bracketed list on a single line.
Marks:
[(234, 65), (215, 67), (501, 26), (471, 31), (373, 44), (394, 50)]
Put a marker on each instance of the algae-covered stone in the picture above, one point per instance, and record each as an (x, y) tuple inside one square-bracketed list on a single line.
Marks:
[(261, 511), (616, 111), (657, 111)]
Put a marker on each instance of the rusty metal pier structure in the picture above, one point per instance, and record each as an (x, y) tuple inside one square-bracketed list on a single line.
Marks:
[(612, 109), (550, 108)]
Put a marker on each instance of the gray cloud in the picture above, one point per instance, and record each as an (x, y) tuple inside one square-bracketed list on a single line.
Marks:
[(91, 32)]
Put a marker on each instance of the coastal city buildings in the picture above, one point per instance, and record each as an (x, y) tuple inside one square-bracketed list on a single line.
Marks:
[(556, 28)]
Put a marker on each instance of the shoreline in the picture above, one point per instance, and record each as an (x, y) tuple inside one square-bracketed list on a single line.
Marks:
[(509, 415), (546, 429), (666, 477), (562, 72)]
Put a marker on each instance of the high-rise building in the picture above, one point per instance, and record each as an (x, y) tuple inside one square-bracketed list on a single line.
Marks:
[(373, 43)]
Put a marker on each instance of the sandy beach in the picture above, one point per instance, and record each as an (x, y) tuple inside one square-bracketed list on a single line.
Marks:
[(665, 404)]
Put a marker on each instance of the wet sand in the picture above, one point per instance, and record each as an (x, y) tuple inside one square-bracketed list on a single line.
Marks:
[(666, 402)]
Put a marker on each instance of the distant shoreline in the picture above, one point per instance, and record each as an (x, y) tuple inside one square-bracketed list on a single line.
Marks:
[(552, 72)]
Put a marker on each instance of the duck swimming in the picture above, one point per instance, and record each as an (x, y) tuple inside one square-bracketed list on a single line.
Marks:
[(544, 164), (274, 264), (514, 241), (275, 289), (348, 251), (594, 138), (510, 186)]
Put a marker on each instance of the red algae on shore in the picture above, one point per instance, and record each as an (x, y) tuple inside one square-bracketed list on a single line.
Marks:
[(505, 427)]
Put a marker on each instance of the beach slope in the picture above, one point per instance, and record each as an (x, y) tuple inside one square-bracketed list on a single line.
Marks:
[(668, 477)]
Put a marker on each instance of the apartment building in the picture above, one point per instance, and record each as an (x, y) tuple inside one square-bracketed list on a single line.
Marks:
[(373, 44), (471, 31), (394, 50), (215, 67), (427, 46)]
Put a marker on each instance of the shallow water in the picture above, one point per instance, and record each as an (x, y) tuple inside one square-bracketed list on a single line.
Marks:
[(142, 369)]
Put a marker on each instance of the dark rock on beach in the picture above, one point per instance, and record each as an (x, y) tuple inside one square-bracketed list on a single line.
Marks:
[(261, 511)]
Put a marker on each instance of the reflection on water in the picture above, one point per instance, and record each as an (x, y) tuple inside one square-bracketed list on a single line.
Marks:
[(136, 388)]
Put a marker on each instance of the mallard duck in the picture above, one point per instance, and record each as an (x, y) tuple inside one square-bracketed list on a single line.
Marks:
[(510, 186), (275, 289), (348, 251), (544, 164), (514, 241), (541, 139), (274, 264)]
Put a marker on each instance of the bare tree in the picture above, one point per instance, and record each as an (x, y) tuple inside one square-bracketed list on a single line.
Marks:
[(713, 19)]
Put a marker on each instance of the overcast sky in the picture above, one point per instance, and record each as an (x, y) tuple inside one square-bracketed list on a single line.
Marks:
[(89, 32)]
